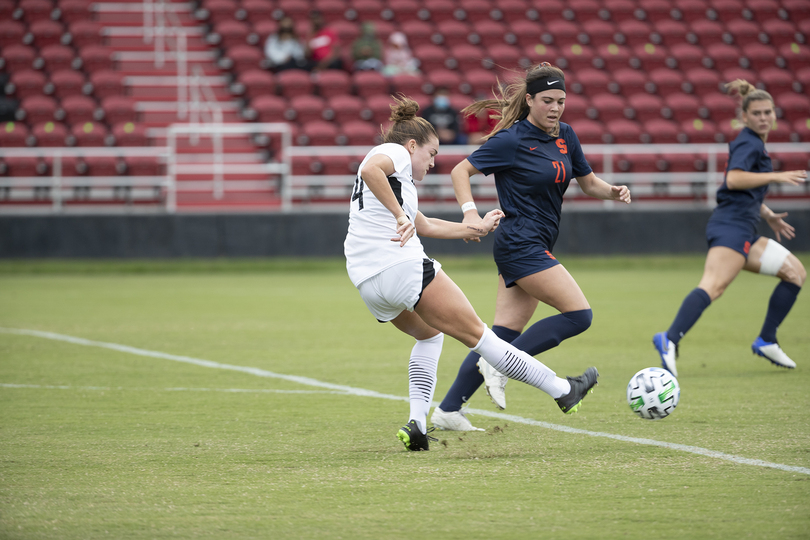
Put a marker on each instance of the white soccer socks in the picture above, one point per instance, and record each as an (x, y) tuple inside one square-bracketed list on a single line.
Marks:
[(422, 377)]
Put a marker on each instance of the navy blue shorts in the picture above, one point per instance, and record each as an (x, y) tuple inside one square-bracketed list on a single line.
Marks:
[(740, 238), (537, 261)]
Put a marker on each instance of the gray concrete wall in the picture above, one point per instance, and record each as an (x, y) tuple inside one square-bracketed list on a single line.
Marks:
[(321, 235)]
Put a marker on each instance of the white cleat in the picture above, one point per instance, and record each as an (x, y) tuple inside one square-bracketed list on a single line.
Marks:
[(495, 383), (452, 421), (773, 352), (668, 352)]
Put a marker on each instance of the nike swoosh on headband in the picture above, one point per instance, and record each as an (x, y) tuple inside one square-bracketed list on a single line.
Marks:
[(552, 82)]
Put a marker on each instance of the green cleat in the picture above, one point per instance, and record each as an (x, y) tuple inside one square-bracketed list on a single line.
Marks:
[(413, 439), (580, 386)]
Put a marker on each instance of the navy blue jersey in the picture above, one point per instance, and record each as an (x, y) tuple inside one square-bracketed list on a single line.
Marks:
[(532, 171), (747, 153)]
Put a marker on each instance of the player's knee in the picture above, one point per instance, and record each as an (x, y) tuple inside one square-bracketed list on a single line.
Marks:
[(793, 271), (580, 320)]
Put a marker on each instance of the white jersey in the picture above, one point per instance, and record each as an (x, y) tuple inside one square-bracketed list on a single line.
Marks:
[(368, 246)]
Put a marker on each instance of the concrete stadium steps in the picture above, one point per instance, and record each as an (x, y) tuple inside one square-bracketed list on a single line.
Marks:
[(142, 63), (132, 13)]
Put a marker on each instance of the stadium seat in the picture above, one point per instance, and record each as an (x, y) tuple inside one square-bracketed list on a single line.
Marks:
[(723, 56), (268, 108), (14, 134), (734, 73), (564, 33), (444, 78), (460, 101), (294, 82), (84, 33), (489, 33), (336, 165), (624, 131), (691, 11), (96, 58), (727, 10), (332, 10), (687, 56), (17, 57), (476, 10), (597, 32), (743, 31), (441, 10), (645, 106), (796, 55), (589, 81), (541, 53), (577, 56), (635, 32), (803, 76), (779, 32), (793, 106), (719, 107), (89, 134), (402, 10), (614, 56), (231, 33), (511, 11), (699, 131), (797, 9), (367, 83), (379, 108), (320, 133), (36, 109), (333, 82), (358, 133), (791, 162), (11, 33), (50, 134), (585, 10), (130, 134), (681, 106), (118, 109), (55, 57), (348, 31), (243, 58), (261, 29), (77, 109), (630, 81), (451, 33), (467, 57), (651, 57), (777, 81), (621, 10), (523, 33), (21, 166), (101, 165), (781, 132), (407, 84), (702, 81), (504, 58), (255, 10), (430, 57), (669, 32), (367, 10), (35, 10), (27, 82), (729, 128), (216, 11), (763, 9), (481, 82), (46, 32), (343, 108), (107, 83), (417, 32), (305, 108), (257, 82), (576, 107), (759, 55), (667, 81), (67, 82), (589, 131), (660, 131), (707, 32), (637, 163), (73, 11), (610, 107)]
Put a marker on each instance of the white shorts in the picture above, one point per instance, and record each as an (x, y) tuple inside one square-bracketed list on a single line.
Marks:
[(397, 288)]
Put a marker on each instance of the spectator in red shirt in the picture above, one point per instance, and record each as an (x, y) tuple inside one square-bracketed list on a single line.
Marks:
[(323, 45)]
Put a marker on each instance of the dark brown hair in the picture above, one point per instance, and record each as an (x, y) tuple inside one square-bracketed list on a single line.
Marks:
[(406, 125)]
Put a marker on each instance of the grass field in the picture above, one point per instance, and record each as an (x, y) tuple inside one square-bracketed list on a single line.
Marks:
[(107, 442)]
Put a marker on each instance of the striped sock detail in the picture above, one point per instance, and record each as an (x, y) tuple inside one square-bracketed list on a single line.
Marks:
[(421, 381)]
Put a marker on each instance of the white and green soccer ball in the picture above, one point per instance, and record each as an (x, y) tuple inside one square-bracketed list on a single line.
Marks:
[(653, 393)]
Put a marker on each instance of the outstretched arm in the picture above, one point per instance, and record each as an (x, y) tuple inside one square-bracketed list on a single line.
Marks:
[(593, 186), (739, 179), (439, 228)]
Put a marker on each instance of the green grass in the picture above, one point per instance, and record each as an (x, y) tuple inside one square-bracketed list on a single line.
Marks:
[(139, 447)]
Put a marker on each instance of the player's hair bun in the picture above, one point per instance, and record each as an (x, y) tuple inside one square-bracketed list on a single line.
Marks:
[(403, 109)]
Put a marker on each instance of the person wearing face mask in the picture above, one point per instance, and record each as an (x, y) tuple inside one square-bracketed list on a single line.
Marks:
[(283, 49), (385, 260), (444, 118), (731, 234), (533, 156)]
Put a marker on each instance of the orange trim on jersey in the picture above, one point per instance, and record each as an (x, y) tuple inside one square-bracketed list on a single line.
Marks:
[(555, 258)]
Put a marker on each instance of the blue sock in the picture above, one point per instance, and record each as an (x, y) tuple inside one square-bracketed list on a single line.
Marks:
[(469, 379), (691, 309), (547, 333), (782, 299)]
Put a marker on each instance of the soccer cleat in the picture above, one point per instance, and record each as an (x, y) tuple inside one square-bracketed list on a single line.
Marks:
[(580, 386), (452, 421), (667, 350), (494, 382), (773, 352), (413, 439)]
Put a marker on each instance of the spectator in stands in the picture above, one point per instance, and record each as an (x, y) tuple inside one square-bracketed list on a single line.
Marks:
[(283, 49), (398, 56), (444, 118), (367, 49), (323, 45), (480, 124)]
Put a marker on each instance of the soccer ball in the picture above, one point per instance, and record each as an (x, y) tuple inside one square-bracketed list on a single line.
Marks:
[(653, 393)]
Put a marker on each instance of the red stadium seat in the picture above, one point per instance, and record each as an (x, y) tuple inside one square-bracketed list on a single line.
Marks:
[(797, 55), (610, 107), (803, 76), (780, 133), (793, 106), (84, 33), (667, 81), (578, 56), (452, 33), (347, 31), (621, 10), (407, 84), (797, 9), (719, 107), (332, 10), (443, 78), (691, 11), (699, 131), (46, 32), (565, 33), (707, 32), (67, 82), (723, 56), (215, 11), (101, 165), (779, 32), (460, 101), (402, 10), (504, 58), (35, 10), (89, 134), (305, 108), (418, 32), (22, 166), (379, 108), (637, 162), (7, 9), (130, 134), (777, 81), (576, 108), (482, 82), (585, 10), (430, 57), (50, 134), (14, 134), (682, 106), (524, 33), (624, 131), (441, 10), (476, 10), (244, 58), (729, 128), (743, 31), (358, 133), (655, 10), (512, 10), (660, 131), (295, 82), (17, 57), (107, 83), (36, 109), (231, 33), (96, 58), (336, 165), (669, 32), (257, 82), (489, 32), (333, 82), (732, 74), (77, 109), (651, 56), (590, 82), (367, 10), (255, 10), (589, 131), (320, 133), (630, 81), (27, 82), (763, 9), (791, 162), (367, 83), (73, 11), (261, 30), (645, 106), (687, 56), (269, 108), (614, 56), (703, 81), (343, 108), (635, 32), (538, 53), (118, 109), (598, 32), (727, 10), (56, 57), (759, 55), (11, 33)]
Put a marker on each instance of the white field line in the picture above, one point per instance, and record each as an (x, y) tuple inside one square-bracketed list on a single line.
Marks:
[(225, 390), (370, 393)]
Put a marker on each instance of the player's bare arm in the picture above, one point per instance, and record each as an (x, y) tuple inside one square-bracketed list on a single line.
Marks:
[(739, 179), (448, 230), (595, 187)]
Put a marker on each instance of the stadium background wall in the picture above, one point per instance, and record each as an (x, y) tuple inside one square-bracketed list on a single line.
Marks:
[(321, 235)]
